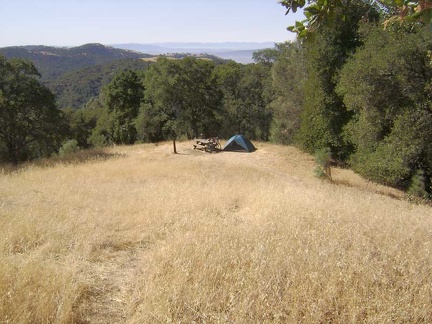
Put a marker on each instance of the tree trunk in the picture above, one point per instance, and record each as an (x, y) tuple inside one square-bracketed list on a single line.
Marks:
[(13, 154), (174, 146)]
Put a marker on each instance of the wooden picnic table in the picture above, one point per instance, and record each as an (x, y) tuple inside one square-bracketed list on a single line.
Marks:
[(208, 145)]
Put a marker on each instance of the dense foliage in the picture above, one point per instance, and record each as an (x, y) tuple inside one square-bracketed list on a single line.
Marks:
[(181, 95), (75, 88), (122, 98), (387, 87), (288, 76), (324, 114), (368, 89), (30, 123), (319, 13)]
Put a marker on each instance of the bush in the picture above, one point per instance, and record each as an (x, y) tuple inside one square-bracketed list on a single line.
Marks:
[(418, 186), (70, 146), (322, 158), (394, 159), (98, 140)]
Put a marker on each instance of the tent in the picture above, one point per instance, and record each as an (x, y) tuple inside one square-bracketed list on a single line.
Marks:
[(239, 143)]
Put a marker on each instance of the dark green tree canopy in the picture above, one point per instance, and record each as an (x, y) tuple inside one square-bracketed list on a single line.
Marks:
[(124, 93), (288, 75), (183, 95), (122, 98), (387, 85), (246, 96), (324, 114), (266, 56), (29, 117)]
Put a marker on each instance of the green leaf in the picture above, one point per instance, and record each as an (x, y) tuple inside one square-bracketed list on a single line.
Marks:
[(308, 14), (314, 10), (413, 18), (299, 24), (303, 34)]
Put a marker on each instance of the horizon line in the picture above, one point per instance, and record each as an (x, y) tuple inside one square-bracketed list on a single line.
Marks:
[(149, 43)]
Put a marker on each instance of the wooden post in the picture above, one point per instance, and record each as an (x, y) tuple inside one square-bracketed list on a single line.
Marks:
[(327, 171), (174, 145)]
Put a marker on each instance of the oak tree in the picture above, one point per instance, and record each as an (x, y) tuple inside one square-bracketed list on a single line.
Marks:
[(30, 123)]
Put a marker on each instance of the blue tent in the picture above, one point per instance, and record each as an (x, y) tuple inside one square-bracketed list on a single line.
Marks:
[(239, 143)]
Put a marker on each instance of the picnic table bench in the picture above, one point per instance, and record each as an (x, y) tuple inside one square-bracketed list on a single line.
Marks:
[(209, 145)]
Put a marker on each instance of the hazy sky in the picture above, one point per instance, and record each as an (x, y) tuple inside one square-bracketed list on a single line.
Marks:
[(76, 22)]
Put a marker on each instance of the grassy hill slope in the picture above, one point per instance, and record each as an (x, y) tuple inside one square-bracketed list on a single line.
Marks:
[(147, 236)]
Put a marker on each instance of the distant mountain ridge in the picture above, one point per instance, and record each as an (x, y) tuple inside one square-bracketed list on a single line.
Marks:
[(218, 46), (53, 62), (240, 52)]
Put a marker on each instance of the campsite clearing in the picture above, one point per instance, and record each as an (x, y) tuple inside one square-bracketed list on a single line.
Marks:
[(148, 236)]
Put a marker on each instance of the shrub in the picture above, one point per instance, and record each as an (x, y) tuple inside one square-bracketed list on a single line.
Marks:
[(322, 158), (418, 186), (99, 140), (68, 147)]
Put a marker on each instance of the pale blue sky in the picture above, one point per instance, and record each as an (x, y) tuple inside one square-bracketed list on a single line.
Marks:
[(76, 22)]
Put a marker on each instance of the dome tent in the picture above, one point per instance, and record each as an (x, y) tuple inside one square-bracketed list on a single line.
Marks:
[(239, 143)]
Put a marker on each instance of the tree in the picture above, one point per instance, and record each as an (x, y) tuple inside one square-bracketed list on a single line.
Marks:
[(256, 96), (316, 13), (163, 99), (387, 86), (324, 114), (229, 78), (30, 123), (181, 98), (200, 97), (288, 76), (82, 122), (123, 96), (246, 96), (266, 56), (324, 12), (409, 11)]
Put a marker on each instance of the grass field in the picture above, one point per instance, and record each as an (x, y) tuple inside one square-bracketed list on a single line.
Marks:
[(145, 236)]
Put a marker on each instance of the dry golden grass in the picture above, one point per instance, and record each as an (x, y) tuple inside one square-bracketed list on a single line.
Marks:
[(148, 236)]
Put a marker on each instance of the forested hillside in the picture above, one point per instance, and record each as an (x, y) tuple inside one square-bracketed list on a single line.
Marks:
[(351, 88), (52, 62), (77, 74), (74, 89)]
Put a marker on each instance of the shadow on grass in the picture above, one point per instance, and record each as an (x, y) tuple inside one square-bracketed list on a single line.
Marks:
[(402, 196), (80, 157)]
